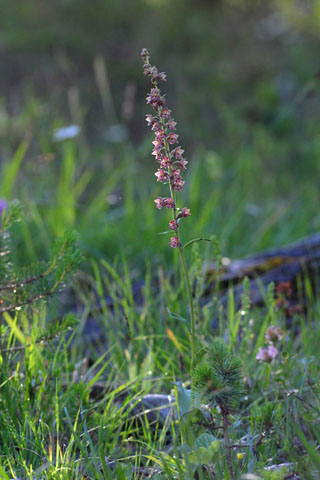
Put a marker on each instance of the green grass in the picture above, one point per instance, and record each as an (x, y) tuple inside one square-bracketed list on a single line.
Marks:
[(70, 404), (67, 405), (65, 418)]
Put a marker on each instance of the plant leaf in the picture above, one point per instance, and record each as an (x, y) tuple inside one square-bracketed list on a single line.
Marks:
[(196, 240)]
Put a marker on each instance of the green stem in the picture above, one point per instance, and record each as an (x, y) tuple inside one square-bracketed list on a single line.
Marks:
[(181, 253), (227, 441), (190, 299)]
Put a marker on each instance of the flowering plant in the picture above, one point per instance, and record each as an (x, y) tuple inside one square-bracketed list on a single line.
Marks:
[(273, 334), (171, 161), (171, 165)]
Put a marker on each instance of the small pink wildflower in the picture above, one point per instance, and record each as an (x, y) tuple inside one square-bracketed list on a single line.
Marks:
[(175, 174), (182, 164), (171, 161), (145, 55), (172, 138), (177, 153), (165, 113), (274, 333), (178, 185), (185, 212), (158, 144), (165, 162), (171, 124), (159, 203), (267, 354), (173, 225), (168, 203), (153, 97), (160, 134), (175, 242), (162, 76), (157, 154), (150, 119), (147, 69), (161, 175)]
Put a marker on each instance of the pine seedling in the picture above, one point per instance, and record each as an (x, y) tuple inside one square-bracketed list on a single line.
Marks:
[(21, 288), (217, 380)]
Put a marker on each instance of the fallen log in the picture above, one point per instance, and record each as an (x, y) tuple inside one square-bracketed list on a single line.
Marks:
[(290, 265)]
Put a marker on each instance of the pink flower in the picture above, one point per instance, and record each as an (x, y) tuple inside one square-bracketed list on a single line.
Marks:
[(172, 138), (147, 69), (154, 71), (154, 99), (157, 75), (185, 212), (171, 124), (150, 119), (267, 354), (175, 242), (145, 54), (173, 225), (182, 164), (178, 185), (153, 96), (177, 153), (175, 174), (160, 134), (161, 175), (158, 144), (274, 333), (165, 113), (157, 154), (171, 161), (165, 162), (159, 203), (168, 203)]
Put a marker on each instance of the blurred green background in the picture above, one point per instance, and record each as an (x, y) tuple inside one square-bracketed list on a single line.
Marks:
[(243, 84)]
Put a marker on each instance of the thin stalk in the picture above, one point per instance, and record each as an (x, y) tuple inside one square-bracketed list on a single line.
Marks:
[(175, 216), (191, 307), (227, 441), (184, 266)]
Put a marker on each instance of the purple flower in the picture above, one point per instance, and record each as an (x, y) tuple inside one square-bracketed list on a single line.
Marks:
[(173, 225), (171, 161), (158, 144), (178, 185), (274, 333), (165, 162), (185, 212), (158, 76), (150, 119), (168, 203), (159, 203), (267, 354), (153, 98), (175, 174), (172, 138), (161, 175), (182, 164), (156, 152), (171, 124), (147, 69), (177, 153), (175, 242), (145, 55), (160, 134), (165, 113)]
